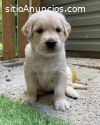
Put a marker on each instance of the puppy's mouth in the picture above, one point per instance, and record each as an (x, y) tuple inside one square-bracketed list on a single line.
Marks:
[(51, 50)]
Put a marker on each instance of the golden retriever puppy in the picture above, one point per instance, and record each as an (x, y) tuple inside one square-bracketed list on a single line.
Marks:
[(45, 63)]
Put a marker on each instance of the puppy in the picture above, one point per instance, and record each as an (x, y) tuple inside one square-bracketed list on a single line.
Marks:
[(45, 63)]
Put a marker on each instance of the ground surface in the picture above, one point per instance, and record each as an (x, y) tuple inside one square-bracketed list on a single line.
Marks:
[(85, 111)]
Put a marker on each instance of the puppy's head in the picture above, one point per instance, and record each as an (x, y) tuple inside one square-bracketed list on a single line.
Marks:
[(47, 31)]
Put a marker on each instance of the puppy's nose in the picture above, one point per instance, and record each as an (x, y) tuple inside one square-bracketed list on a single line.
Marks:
[(51, 44)]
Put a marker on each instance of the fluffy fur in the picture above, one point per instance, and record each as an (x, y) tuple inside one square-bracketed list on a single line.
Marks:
[(45, 69)]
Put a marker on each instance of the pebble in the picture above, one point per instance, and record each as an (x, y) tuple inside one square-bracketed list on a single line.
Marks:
[(89, 79), (6, 76), (8, 80), (9, 70)]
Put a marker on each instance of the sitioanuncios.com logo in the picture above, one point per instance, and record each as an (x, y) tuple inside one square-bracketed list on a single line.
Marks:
[(36, 9)]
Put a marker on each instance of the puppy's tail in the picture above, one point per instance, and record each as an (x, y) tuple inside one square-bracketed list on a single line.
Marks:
[(79, 86)]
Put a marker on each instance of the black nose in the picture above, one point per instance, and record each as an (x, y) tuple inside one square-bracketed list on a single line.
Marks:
[(51, 44)]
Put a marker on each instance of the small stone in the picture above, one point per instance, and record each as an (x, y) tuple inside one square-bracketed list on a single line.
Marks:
[(79, 113), (9, 70), (8, 80), (89, 79), (6, 76)]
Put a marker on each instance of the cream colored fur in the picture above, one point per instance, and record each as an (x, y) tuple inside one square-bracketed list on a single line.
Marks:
[(45, 70)]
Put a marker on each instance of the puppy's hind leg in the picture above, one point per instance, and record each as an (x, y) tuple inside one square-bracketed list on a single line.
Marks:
[(71, 92)]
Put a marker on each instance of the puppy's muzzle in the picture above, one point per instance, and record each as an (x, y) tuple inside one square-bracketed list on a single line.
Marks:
[(50, 44)]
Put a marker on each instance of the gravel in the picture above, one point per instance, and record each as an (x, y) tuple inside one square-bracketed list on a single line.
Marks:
[(85, 111)]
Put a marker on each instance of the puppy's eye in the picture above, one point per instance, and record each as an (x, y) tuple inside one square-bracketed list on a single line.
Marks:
[(40, 30), (58, 30)]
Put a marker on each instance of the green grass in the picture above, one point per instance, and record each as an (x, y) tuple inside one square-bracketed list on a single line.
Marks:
[(0, 20), (12, 113)]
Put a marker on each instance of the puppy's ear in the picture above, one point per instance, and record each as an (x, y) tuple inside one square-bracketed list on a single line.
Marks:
[(67, 28), (27, 28)]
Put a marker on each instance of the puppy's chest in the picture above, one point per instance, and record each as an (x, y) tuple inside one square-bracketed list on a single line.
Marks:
[(45, 73), (45, 76), (45, 80)]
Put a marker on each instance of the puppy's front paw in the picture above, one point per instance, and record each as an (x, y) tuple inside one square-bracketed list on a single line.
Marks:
[(28, 100), (62, 104)]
